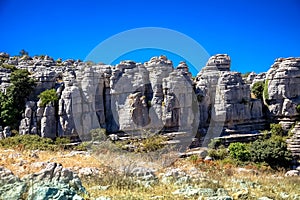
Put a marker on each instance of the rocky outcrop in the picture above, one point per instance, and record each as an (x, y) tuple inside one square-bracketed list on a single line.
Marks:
[(283, 93), (294, 142), (225, 104), (53, 182), (155, 96)]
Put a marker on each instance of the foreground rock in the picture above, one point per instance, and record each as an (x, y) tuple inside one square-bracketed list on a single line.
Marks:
[(53, 182)]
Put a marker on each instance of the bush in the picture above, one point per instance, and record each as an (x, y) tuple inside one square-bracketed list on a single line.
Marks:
[(7, 66), (276, 130), (272, 151), (239, 151), (214, 143), (298, 108), (98, 134), (266, 93), (31, 142), (258, 89), (48, 96), (218, 154)]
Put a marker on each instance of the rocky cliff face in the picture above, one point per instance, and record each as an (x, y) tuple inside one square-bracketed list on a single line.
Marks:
[(224, 99), (283, 93), (131, 97)]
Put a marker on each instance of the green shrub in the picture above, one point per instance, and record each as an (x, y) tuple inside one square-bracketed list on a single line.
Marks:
[(218, 154), (98, 134), (298, 108), (272, 151), (214, 143), (258, 89), (266, 93), (276, 130), (83, 146), (7, 66), (239, 151), (48, 96), (62, 140), (31, 142)]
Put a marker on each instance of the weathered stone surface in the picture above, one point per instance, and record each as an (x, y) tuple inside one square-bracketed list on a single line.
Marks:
[(11, 187), (133, 96), (48, 122), (293, 143), (283, 79), (54, 182), (225, 103)]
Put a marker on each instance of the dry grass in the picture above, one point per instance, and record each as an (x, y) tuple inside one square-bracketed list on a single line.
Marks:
[(257, 182)]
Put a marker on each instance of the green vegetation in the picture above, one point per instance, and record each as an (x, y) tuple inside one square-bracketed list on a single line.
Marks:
[(239, 151), (258, 89), (7, 66), (266, 93), (218, 154), (276, 130), (272, 151), (33, 142), (99, 134), (148, 144), (298, 108), (13, 102), (48, 96), (23, 53)]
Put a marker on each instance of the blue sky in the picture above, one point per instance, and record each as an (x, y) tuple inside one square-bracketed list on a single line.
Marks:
[(253, 33)]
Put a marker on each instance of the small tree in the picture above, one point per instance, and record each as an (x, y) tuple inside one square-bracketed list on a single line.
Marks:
[(21, 86), (258, 89), (48, 96), (13, 102), (23, 52)]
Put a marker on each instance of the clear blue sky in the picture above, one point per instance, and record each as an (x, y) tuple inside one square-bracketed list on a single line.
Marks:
[(253, 33)]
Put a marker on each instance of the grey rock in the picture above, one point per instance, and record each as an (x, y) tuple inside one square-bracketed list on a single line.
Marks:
[(283, 79), (11, 187), (88, 171), (6, 132), (225, 104), (293, 143), (54, 182), (187, 191), (264, 198), (292, 173), (48, 122), (103, 198)]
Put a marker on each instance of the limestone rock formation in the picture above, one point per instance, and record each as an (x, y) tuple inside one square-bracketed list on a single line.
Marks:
[(155, 96), (283, 94), (294, 141), (224, 99)]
